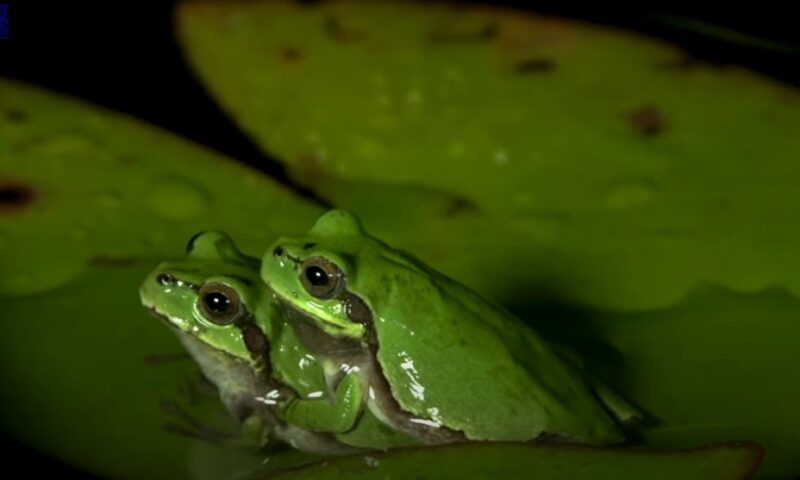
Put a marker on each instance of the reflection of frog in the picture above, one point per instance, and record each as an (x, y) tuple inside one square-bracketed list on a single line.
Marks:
[(423, 353), (226, 318)]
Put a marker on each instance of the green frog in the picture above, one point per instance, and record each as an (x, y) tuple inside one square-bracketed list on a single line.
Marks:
[(423, 353)]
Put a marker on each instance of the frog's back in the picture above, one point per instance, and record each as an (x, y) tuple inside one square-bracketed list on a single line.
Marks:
[(455, 359)]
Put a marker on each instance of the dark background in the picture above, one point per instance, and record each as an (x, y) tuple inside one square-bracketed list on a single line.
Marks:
[(122, 55)]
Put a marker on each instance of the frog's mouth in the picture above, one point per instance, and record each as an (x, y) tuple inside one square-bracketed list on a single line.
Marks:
[(166, 319), (193, 344)]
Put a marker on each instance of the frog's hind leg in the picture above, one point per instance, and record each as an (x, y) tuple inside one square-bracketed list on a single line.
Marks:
[(624, 412), (621, 409)]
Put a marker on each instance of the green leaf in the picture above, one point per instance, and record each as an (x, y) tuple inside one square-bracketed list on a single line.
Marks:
[(621, 196), (89, 202), (81, 187), (516, 460), (603, 164)]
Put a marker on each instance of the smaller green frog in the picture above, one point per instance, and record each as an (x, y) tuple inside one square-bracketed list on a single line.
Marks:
[(227, 319), (424, 354)]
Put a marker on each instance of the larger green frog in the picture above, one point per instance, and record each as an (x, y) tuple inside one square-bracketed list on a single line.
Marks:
[(423, 353)]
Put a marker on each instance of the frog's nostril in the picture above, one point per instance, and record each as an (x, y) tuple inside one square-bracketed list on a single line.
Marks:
[(278, 251), (190, 243), (165, 279)]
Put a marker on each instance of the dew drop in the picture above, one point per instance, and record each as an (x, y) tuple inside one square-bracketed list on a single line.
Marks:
[(630, 193), (177, 199), (500, 157)]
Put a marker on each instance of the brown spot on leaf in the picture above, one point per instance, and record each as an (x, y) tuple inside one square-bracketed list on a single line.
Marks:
[(459, 206), (15, 196), (338, 32), (535, 65), (16, 116), (291, 54), (483, 34), (647, 120)]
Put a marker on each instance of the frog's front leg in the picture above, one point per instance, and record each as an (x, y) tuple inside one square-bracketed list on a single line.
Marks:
[(254, 432), (623, 410), (322, 415)]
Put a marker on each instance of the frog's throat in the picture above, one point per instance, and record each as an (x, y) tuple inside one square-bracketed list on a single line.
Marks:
[(182, 332), (353, 331)]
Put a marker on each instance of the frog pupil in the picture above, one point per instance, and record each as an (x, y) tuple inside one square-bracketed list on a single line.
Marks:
[(217, 302), (316, 276)]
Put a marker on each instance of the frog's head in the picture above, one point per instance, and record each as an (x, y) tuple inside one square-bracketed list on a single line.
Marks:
[(211, 295), (310, 274)]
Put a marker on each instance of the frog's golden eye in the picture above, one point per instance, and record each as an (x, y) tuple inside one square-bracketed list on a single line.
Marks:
[(322, 278), (219, 303)]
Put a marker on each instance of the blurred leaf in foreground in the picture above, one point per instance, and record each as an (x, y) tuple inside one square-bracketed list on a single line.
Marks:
[(723, 462)]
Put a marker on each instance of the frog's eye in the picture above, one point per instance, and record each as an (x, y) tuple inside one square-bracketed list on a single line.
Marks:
[(219, 303), (322, 278)]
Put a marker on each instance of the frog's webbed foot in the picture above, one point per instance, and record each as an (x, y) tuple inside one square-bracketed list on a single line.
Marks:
[(187, 425), (198, 388)]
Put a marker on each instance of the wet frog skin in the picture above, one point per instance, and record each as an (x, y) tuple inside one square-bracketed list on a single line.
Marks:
[(423, 353)]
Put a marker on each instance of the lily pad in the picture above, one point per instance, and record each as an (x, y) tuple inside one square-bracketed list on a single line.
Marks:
[(80, 187), (596, 161), (621, 196), (89, 202), (728, 462), (589, 179)]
